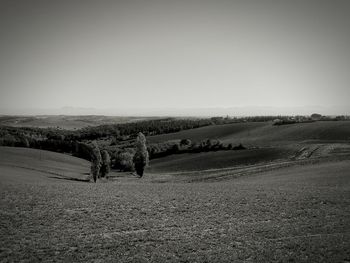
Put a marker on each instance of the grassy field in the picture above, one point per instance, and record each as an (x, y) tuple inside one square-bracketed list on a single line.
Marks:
[(212, 132), (264, 133), (31, 161), (259, 156), (298, 213), (268, 143), (217, 160)]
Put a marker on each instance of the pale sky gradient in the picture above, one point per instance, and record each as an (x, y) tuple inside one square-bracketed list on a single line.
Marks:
[(175, 54)]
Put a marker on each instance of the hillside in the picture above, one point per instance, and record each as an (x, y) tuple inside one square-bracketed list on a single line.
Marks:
[(217, 160), (264, 133), (40, 165), (267, 143), (297, 213), (212, 132)]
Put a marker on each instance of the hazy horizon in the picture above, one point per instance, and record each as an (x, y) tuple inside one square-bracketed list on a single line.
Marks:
[(175, 57), (182, 112)]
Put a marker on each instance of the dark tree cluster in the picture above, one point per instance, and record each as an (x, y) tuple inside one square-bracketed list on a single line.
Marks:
[(292, 120), (186, 146), (123, 131), (133, 159), (126, 131), (123, 160), (100, 161)]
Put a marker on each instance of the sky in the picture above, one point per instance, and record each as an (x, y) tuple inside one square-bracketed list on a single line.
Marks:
[(170, 56)]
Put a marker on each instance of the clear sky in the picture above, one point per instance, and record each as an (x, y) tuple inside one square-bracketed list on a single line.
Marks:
[(174, 54)]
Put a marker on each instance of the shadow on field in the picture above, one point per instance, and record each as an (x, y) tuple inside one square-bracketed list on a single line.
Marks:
[(70, 178)]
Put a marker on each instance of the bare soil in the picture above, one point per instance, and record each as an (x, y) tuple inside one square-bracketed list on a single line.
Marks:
[(298, 213)]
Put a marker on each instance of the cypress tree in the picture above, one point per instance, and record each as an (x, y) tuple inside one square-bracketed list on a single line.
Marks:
[(141, 154)]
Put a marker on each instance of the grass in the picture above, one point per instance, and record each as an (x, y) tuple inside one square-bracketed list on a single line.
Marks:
[(293, 214), (273, 143), (217, 160), (212, 132), (264, 133), (31, 161)]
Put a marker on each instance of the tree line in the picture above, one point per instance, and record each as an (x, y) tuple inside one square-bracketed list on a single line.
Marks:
[(159, 150)]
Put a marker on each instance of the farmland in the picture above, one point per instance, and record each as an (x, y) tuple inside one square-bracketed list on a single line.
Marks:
[(298, 213), (175, 131), (286, 198), (217, 160), (264, 133), (266, 143)]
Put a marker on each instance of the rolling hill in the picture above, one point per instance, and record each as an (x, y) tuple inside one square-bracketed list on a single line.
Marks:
[(294, 214), (40, 165), (217, 160), (264, 133), (268, 143)]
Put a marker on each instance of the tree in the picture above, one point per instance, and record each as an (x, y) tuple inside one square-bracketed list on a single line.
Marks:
[(175, 148), (185, 142), (106, 163), (23, 141), (141, 154), (123, 160), (96, 160), (316, 116)]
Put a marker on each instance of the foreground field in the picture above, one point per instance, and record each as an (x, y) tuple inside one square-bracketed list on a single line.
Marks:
[(294, 214)]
